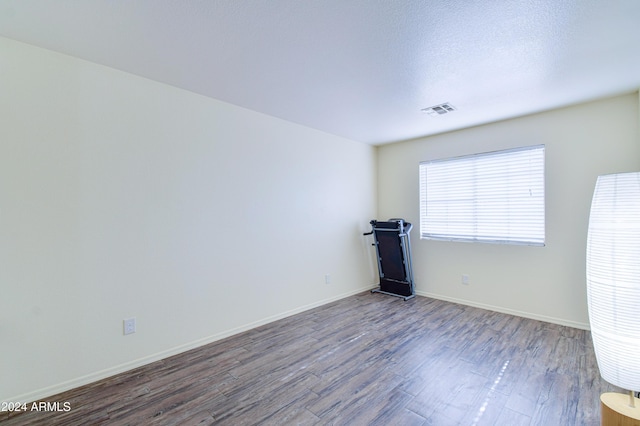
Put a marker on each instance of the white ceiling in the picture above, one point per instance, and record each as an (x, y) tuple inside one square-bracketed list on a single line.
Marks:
[(362, 69)]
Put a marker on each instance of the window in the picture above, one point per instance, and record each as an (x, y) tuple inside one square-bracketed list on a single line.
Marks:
[(495, 197)]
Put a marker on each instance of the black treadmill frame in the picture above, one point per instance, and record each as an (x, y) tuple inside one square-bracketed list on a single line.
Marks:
[(393, 252)]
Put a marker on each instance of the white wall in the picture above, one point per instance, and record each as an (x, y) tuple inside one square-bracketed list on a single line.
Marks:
[(122, 197), (546, 283)]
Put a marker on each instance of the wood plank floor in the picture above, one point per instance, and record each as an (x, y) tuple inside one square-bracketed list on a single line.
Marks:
[(369, 359)]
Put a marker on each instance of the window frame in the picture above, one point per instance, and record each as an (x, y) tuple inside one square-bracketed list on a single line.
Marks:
[(462, 223)]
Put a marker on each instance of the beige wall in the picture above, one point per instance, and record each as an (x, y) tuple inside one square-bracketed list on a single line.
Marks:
[(122, 197), (546, 283)]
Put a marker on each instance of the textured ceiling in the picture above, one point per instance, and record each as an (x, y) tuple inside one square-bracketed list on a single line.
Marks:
[(362, 69)]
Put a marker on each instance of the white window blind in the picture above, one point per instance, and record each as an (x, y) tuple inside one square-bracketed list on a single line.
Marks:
[(495, 197)]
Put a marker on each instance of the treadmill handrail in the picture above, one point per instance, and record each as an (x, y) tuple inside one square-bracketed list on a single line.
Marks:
[(407, 229)]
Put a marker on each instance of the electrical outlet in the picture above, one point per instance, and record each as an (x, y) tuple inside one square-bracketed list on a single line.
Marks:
[(327, 279), (465, 279), (129, 326)]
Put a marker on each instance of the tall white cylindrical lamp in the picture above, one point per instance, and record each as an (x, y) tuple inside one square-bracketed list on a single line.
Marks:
[(613, 279)]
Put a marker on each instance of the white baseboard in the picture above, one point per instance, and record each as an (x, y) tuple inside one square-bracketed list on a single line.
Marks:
[(49, 391), (553, 320)]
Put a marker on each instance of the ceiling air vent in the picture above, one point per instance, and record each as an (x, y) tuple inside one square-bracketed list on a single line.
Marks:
[(439, 109)]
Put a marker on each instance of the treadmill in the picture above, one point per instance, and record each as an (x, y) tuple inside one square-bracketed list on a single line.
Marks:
[(393, 249)]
